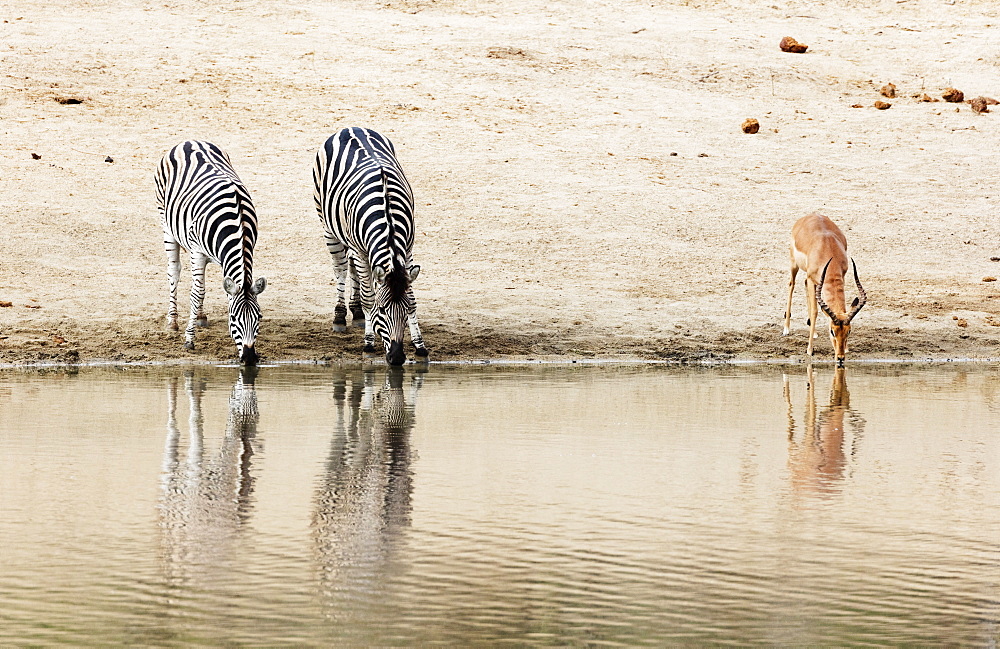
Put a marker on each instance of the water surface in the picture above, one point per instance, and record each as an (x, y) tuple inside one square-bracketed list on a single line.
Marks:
[(317, 506)]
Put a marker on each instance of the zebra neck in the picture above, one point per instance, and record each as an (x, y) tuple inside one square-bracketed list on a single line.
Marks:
[(237, 265)]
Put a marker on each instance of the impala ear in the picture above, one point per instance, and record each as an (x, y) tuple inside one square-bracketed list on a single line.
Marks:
[(855, 302), (414, 271), (378, 274), (259, 286), (230, 286)]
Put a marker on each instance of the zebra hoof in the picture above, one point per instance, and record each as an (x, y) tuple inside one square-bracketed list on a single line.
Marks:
[(172, 326), (189, 346), (201, 322), (369, 349), (339, 328), (358, 322), (421, 352)]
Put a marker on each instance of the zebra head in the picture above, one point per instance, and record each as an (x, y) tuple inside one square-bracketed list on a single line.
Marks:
[(393, 305), (244, 317)]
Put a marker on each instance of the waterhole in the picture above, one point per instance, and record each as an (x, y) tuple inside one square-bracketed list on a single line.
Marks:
[(522, 505)]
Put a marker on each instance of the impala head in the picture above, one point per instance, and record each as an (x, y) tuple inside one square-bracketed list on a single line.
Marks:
[(840, 324), (393, 305), (244, 317)]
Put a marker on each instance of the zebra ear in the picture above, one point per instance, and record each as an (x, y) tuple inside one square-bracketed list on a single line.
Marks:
[(230, 286), (259, 286), (378, 274), (414, 271)]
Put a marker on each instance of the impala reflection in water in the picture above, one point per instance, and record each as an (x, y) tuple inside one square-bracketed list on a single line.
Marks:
[(206, 498), (817, 459), (362, 504)]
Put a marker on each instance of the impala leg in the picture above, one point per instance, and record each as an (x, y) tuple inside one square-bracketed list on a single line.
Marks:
[(198, 263), (788, 308), (813, 310), (173, 275), (339, 253)]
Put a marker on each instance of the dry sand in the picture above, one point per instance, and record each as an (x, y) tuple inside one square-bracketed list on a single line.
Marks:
[(583, 185)]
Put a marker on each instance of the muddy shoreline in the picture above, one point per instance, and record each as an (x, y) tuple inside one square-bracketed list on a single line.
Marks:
[(304, 341)]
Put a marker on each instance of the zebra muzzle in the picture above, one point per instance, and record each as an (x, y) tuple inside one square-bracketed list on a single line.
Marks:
[(249, 356), (395, 355)]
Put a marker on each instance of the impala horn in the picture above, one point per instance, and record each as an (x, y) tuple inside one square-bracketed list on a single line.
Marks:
[(822, 304), (862, 296)]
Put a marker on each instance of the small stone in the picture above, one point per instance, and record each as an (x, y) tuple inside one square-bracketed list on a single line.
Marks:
[(750, 125), (883, 105), (962, 323), (979, 105), (857, 106), (35, 156), (789, 44), (926, 97), (989, 278), (5, 303), (888, 90), (953, 95), (109, 159)]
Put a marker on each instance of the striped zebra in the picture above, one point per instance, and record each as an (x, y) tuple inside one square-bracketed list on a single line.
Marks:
[(205, 209), (366, 207)]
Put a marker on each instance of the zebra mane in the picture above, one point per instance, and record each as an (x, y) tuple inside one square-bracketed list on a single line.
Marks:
[(398, 281), (246, 255)]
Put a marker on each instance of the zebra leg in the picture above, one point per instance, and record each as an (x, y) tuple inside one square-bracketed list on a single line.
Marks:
[(367, 304), (201, 320), (198, 263), (357, 312), (339, 254), (173, 274), (415, 337)]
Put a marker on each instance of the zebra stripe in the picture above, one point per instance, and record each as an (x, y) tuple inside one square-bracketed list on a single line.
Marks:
[(205, 209), (366, 207)]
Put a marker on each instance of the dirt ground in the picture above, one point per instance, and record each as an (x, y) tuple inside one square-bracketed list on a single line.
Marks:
[(583, 185)]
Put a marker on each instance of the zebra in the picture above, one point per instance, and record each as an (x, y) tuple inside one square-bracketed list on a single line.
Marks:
[(365, 205), (205, 209)]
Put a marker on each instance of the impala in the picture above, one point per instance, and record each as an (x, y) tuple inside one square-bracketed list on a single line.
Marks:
[(819, 248)]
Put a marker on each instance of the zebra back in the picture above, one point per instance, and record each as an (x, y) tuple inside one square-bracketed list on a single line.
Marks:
[(360, 188), (206, 208)]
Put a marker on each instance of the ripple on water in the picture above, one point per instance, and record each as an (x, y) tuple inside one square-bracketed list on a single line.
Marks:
[(515, 505)]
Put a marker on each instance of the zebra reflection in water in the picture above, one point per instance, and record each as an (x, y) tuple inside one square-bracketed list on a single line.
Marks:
[(206, 501), (362, 503), (818, 459)]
